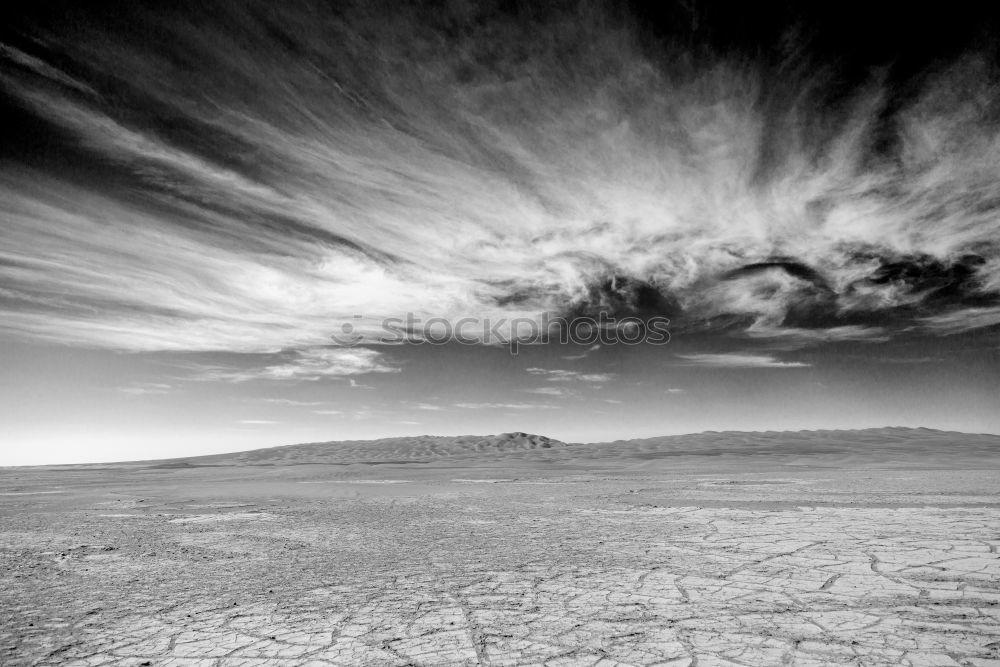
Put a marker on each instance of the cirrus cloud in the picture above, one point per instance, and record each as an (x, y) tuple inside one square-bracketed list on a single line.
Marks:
[(310, 364), (733, 360), (254, 192)]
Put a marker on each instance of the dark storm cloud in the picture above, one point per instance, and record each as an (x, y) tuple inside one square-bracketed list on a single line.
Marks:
[(250, 176)]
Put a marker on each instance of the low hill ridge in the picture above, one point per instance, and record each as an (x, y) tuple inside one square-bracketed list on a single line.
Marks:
[(410, 449), (896, 446)]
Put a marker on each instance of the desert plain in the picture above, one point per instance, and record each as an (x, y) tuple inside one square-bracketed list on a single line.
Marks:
[(874, 547)]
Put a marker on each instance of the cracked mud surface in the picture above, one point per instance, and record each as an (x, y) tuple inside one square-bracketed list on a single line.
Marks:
[(422, 565)]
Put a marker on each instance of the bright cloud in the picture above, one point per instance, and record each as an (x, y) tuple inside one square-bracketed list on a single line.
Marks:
[(556, 375), (307, 199), (739, 361), (309, 364), (547, 391)]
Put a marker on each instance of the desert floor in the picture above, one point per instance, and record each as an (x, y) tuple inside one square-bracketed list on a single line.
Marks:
[(686, 560)]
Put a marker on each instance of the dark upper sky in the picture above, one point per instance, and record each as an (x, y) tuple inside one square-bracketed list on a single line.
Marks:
[(203, 203)]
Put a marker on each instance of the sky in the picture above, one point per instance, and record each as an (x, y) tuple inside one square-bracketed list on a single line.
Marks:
[(236, 225)]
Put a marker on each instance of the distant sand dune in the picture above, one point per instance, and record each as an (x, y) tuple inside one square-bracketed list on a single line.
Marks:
[(897, 446)]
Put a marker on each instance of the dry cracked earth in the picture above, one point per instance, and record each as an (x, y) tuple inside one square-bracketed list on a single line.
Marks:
[(504, 558)]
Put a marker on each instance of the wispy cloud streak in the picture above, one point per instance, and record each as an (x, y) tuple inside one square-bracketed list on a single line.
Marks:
[(558, 375), (505, 406), (253, 191), (309, 364), (739, 361)]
